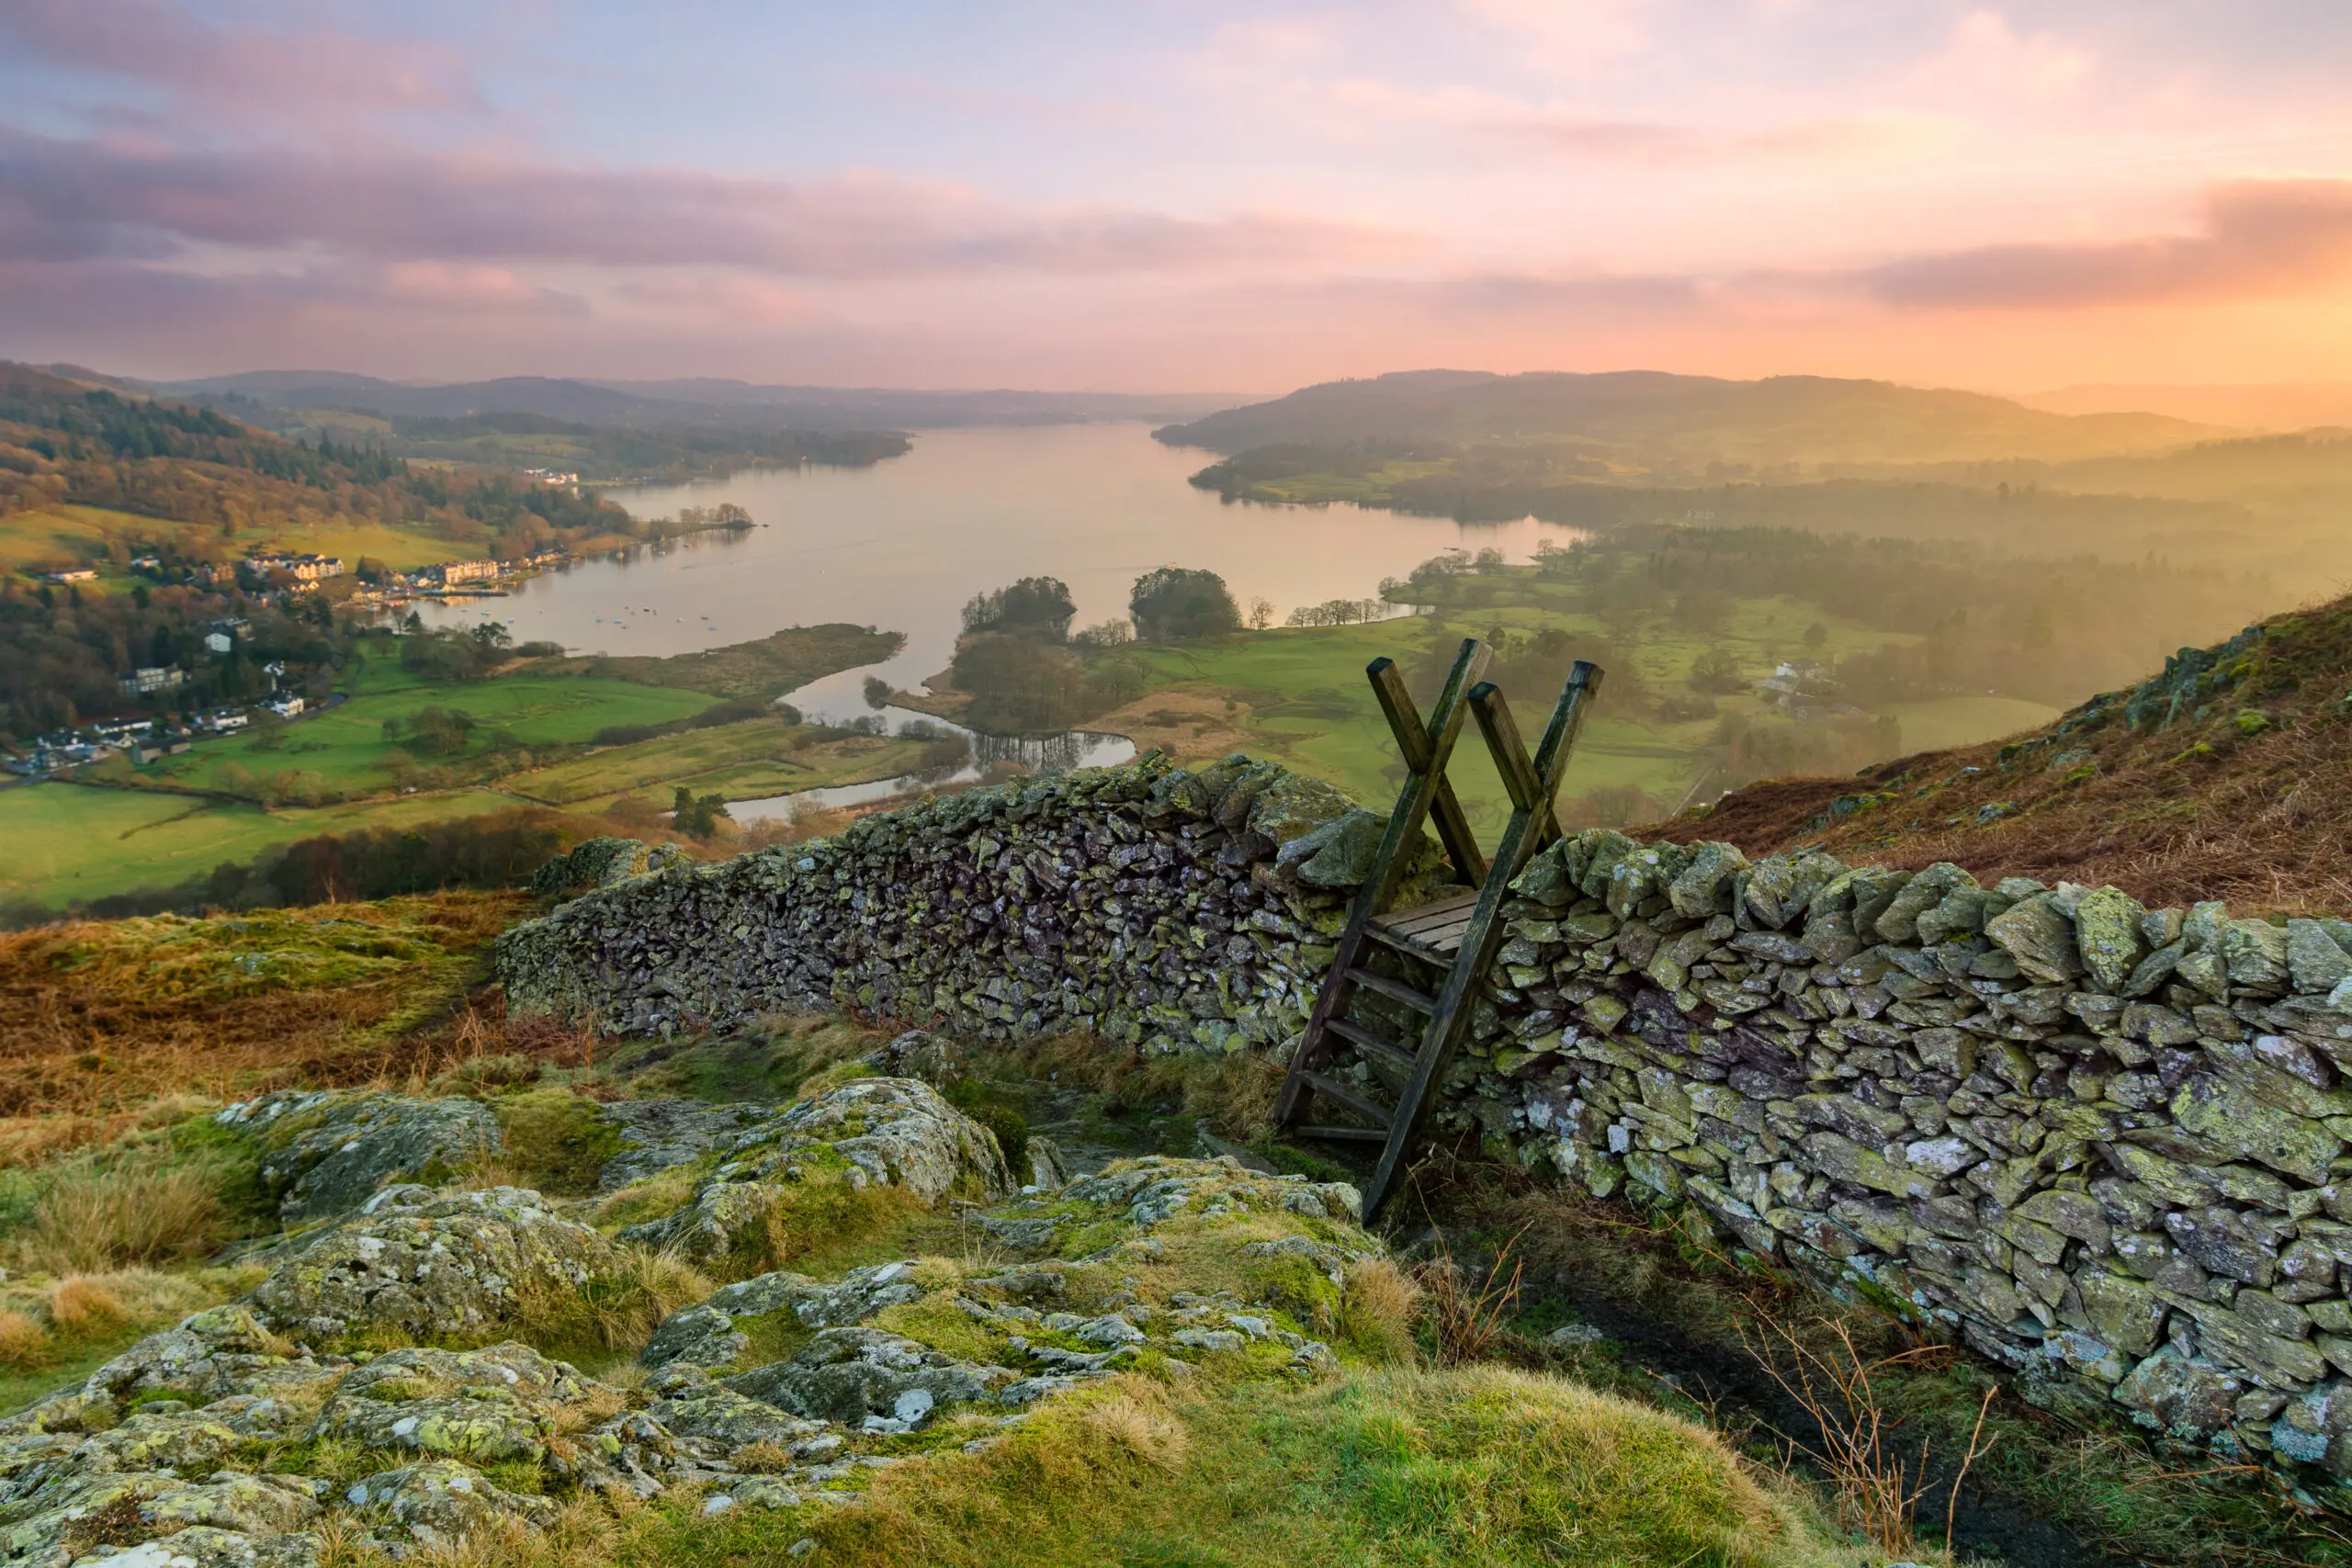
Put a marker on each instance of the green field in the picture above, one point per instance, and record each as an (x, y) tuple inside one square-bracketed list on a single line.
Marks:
[(1311, 708), (345, 750), (739, 762), (69, 842), (1300, 696)]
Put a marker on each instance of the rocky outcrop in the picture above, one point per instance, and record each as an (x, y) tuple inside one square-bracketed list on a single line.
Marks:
[(192, 1447), (414, 1262), (868, 1133), (327, 1153), (2110, 1147)]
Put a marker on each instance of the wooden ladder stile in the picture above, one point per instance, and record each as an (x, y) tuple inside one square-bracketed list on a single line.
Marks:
[(1460, 934), (1427, 751)]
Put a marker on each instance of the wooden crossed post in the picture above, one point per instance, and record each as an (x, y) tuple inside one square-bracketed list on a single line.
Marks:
[(1457, 933)]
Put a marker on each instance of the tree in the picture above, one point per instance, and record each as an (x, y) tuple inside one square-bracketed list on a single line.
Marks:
[(1035, 606), (1174, 602), (1717, 671), (1815, 636), (697, 817), (437, 731), (1262, 614)]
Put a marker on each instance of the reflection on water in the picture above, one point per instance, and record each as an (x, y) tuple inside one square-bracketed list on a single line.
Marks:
[(906, 543), (1031, 753)]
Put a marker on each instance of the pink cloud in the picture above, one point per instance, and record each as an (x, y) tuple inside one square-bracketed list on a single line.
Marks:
[(757, 301), (59, 196), (448, 285), (241, 74), (2260, 239)]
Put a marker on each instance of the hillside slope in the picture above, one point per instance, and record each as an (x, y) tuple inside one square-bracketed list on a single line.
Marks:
[(2227, 775), (1779, 419)]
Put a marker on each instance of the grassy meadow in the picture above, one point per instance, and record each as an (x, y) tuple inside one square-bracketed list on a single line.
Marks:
[(1299, 694), (344, 750), (741, 762), (71, 842)]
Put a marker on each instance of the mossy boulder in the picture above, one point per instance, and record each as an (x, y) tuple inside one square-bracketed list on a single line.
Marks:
[(866, 1135), (441, 1268), (327, 1154)]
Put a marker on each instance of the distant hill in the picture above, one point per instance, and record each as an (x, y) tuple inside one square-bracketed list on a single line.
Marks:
[(2228, 775), (684, 403), (1650, 417), (2284, 406)]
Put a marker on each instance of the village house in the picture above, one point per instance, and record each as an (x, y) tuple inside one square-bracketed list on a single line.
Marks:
[(302, 569), (151, 679)]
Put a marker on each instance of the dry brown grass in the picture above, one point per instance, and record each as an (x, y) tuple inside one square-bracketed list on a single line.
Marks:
[(1469, 1309), (100, 1020), (1134, 1420), (22, 1339), (43, 1321), (1192, 724), (137, 1213), (80, 1303), (1877, 1485), (1379, 1304), (2198, 810)]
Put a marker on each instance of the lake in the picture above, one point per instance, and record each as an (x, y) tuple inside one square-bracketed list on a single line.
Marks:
[(905, 544)]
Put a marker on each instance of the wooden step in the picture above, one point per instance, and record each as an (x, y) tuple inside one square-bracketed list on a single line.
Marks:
[(1394, 990), (1349, 1096), (1432, 932), (1349, 1029), (1342, 1134)]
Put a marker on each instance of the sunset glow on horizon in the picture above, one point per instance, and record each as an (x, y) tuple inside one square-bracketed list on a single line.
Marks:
[(1155, 197)]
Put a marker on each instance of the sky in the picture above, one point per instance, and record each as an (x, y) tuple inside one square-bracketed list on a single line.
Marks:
[(1180, 194)]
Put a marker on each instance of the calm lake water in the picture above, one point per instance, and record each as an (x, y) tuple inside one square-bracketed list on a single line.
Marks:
[(905, 544)]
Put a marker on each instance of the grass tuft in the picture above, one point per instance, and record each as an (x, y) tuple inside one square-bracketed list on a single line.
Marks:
[(138, 1212)]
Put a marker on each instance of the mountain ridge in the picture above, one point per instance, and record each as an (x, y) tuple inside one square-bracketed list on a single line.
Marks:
[(1776, 419)]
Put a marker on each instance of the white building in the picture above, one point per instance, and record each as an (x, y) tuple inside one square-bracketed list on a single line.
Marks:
[(153, 678), (285, 705), (220, 642)]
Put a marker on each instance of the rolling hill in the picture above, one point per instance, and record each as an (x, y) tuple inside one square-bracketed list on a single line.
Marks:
[(705, 402), (1655, 416), (2228, 774)]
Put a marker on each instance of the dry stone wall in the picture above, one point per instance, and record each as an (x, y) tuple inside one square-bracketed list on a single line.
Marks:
[(2104, 1144), (1180, 910)]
